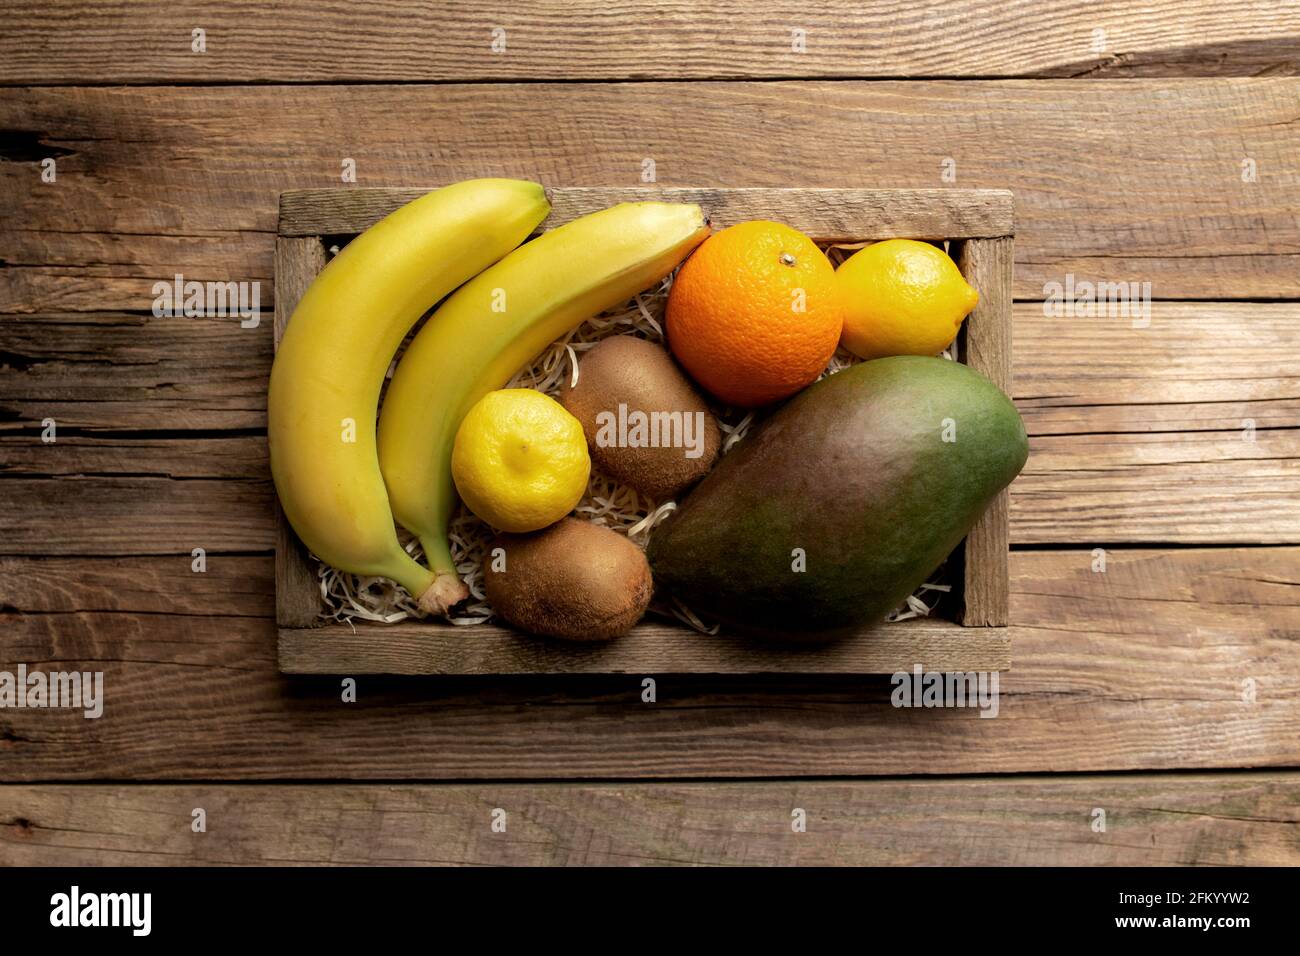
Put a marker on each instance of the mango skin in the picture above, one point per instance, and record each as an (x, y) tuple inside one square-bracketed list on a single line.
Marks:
[(854, 470)]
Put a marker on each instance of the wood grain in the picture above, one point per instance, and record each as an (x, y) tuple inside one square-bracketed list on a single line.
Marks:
[(827, 215), (129, 208), (1250, 819), (1198, 366), (333, 40), (1206, 487), (986, 347), (135, 515), (135, 455), (228, 586), (297, 595), (128, 371), (1183, 487), (1142, 666), (655, 646)]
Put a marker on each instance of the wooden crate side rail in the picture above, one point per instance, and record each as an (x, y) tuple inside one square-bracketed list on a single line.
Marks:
[(986, 264), (297, 600), (826, 214)]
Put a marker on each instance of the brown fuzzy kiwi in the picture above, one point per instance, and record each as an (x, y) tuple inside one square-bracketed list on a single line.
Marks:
[(574, 580), (642, 376)]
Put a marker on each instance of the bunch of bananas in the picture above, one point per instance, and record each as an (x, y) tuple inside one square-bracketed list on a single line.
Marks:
[(342, 470)]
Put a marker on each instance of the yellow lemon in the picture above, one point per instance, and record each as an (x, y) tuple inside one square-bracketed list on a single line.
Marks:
[(520, 460), (901, 297)]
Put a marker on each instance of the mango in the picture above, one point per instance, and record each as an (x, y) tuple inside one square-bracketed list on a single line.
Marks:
[(844, 501)]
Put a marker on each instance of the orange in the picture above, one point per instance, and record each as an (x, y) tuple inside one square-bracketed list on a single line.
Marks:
[(753, 314)]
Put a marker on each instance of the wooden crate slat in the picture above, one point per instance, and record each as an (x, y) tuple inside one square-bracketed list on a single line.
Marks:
[(986, 264), (652, 647), (980, 220), (297, 602), (825, 214)]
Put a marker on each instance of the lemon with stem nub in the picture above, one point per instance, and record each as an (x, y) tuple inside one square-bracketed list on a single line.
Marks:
[(520, 460), (901, 297)]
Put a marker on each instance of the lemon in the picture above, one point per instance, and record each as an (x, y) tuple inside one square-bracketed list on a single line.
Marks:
[(520, 460), (901, 297)]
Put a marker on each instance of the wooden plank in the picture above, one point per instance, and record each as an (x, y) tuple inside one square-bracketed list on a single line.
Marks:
[(1246, 819), (135, 515), (1166, 660), (297, 263), (654, 646), (227, 586), (1193, 366), (986, 347), (1176, 213), (115, 371), (1185, 487), (1198, 366), (176, 456), (297, 598), (848, 215), (333, 41)]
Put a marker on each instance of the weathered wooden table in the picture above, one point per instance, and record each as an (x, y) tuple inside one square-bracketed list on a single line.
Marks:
[(1154, 142)]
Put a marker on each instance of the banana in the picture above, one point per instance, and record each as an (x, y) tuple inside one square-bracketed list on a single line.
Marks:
[(492, 327), (340, 341)]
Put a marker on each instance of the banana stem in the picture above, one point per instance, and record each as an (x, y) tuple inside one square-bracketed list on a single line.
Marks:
[(445, 591), (447, 588), (437, 555)]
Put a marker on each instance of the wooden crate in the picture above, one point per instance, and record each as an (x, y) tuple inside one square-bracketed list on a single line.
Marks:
[(979, 225)]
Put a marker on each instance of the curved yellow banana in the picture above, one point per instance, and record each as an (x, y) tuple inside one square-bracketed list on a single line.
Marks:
[(492, 327), (337, 348)]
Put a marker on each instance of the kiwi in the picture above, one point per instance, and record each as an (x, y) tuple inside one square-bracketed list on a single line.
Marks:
[(632, 397), (574, 580)]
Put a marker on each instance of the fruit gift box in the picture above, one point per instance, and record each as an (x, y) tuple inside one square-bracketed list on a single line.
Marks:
[(650, 430)]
